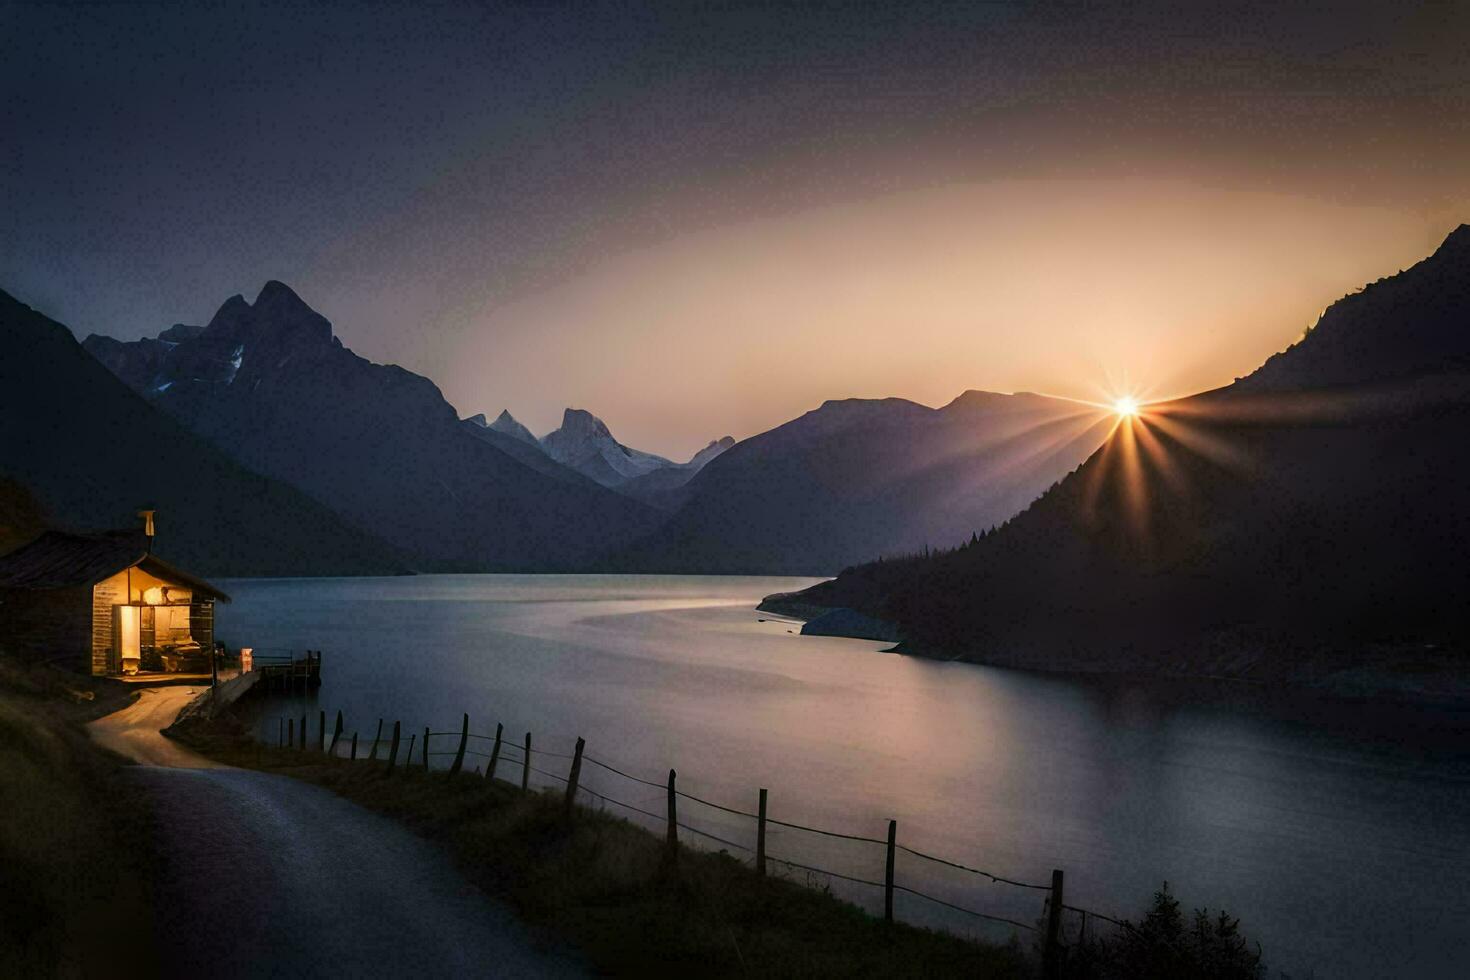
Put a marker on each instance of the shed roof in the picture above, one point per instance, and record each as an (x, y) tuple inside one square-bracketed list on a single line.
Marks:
[(60, 560)]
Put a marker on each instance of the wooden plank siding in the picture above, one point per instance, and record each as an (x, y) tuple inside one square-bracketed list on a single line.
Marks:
[(106, 594)]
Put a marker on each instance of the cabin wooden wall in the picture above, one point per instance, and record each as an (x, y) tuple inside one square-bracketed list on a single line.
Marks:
[(201, 624), (47, 624), (105, 594)]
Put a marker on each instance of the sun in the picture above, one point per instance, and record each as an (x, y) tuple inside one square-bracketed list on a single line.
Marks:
[(1126, 407)]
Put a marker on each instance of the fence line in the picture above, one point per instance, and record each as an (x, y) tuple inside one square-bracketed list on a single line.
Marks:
[(505, 753)]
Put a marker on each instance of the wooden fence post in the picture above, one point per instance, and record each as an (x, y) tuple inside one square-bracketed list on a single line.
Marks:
[(280, 732), (354, 746), (1051, 955), (672, 838), (426, 748), (336, 734), (575, 775), (888, 873), (291, 732), (302, 734), (526, 766), (464, 737), (760, 838), (373, 755), (494, 753), (408, 753), (393, 748)]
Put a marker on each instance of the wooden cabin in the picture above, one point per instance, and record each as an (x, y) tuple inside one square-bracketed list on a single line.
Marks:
[(105, 603)]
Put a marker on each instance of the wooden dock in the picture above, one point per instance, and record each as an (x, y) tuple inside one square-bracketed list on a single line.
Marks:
[(288, 672)]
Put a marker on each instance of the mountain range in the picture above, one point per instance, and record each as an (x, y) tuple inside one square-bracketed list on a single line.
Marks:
[(78, 449), (1312, 508), (583, 443), (270, 384), (271, 448), (856, 479)]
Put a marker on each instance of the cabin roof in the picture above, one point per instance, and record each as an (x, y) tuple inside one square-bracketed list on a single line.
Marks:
[(61, 560)]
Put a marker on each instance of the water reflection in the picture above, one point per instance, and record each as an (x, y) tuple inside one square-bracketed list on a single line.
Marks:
[(1336, 832)]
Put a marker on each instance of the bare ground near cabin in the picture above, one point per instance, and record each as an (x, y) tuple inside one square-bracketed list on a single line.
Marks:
[(268, 876)]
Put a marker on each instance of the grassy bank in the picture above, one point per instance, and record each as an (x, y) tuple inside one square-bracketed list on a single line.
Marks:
[(74, 835), (601, 883)]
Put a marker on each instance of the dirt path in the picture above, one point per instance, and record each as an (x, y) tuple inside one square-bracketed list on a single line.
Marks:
[(135, 731), (270, 877)]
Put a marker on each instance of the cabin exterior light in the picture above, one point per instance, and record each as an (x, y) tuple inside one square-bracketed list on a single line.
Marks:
[(107, 603)]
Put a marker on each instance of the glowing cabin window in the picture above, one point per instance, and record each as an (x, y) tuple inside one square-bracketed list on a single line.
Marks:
[(128, 639)]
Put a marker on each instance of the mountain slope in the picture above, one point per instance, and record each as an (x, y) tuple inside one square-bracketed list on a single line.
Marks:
[(856, 479), (92, 453), (269, 383), (663, 488), (1309, 510)]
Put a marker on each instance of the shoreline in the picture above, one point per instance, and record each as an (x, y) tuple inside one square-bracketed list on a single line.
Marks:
[(1387, 676)]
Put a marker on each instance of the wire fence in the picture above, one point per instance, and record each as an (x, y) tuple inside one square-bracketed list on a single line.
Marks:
[(821, 857)]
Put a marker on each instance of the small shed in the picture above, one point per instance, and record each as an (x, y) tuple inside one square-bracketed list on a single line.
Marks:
[(107, 603)]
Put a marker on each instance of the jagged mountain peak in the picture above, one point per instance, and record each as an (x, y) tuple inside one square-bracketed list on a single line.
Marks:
[(478, 419), (585, 443), (509, 425), (578, 421), (180, 332), (230, 313)]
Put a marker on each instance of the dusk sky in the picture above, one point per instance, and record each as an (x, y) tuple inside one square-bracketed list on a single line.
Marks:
[(704, 220)]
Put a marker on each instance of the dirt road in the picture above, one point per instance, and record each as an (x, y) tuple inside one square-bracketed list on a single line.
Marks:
[(269, 877)]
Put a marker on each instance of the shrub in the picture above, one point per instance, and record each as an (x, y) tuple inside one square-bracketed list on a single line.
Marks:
[(1166, 945)]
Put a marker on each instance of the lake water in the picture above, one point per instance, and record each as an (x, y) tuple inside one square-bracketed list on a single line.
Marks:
[(1338, 833)]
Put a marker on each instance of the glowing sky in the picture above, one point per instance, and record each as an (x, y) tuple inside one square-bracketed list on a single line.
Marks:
[(697, 222)]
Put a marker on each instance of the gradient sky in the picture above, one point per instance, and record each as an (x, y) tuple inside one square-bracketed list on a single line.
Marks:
[(697, 220)]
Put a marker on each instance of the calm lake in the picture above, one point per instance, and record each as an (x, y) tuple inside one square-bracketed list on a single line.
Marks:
[(1338, 833)]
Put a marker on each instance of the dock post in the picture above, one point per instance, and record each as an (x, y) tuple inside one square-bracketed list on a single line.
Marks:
[(888, 873), (336, 734), (494, 753), (574, 775), (1051, 953), (526, 766), (291, 732), (302, 734), (426, 748), (321, 731), (760, 838), (393, 748), (280, 732), (354, 746), (464, 737)]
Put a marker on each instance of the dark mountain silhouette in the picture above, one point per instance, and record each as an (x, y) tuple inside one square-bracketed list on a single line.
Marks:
[(21, 517), (855, 479), (91, 453), (271, 385), (1310, 510)]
